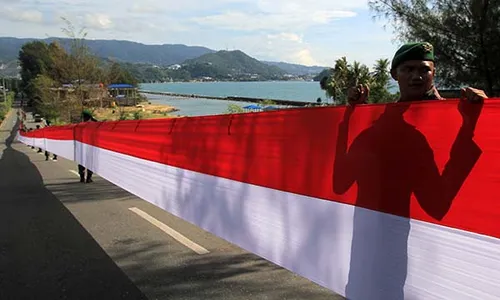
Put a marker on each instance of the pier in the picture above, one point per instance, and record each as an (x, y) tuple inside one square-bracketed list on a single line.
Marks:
[(231, 98)]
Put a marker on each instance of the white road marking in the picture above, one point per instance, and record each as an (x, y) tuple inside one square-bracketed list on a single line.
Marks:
[(75, 172), (176, 235)]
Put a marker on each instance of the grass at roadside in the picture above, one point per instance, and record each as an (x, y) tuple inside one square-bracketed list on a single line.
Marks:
[(5, 106)]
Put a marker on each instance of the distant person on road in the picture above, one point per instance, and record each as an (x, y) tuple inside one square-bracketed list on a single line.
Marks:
[(29, 129), (47, 154), (87, 117), (39, 149)]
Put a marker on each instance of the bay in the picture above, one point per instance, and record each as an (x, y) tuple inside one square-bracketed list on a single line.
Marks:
[(308, 91), (281, 90), (194, 106)]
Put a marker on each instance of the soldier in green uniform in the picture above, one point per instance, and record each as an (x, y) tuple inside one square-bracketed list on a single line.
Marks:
[(87, 117), (414, 70), (391, 161)]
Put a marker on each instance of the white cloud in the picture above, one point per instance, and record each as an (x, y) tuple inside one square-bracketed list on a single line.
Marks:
[(300, 6), (284, 46), (286, 36), (237, 20), (98, 21), (312, 32), (18, 15), (147, 7), (303, 57)]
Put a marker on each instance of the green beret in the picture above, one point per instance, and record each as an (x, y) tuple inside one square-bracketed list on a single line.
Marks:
[(86, 113), (413, 51)]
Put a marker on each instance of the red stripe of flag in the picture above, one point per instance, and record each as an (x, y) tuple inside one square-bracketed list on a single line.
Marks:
[(389, 158)]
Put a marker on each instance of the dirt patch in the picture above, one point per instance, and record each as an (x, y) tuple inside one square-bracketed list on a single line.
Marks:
[(141, 111)]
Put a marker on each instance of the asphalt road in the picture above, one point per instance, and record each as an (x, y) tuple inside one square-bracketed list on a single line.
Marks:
[(61, 239)]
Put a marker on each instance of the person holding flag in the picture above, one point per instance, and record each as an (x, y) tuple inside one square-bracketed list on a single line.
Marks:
[(87, 117)]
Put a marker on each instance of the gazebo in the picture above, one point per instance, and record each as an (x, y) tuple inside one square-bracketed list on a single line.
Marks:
[(124, 94), (252, 107)]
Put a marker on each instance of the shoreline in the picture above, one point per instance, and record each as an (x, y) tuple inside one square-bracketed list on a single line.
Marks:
[(230, 98), (141, 111)]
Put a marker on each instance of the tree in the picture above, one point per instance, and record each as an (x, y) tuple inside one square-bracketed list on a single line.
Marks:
[(34, 59), (83, 67), (379, 89), (59, 62), (235, 109), (118, 74), (465, 35), (46, 101), (45, 68), (344, 76), (267, 102)]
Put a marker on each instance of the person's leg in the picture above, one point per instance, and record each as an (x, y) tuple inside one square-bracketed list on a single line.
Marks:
[(54, 157), (89, 176), (46, 155), (81, 171)]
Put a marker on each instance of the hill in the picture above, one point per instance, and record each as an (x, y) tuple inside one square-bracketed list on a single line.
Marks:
[(231, 65), (222, 65), (296, 69), (124, 51), (154, 62), (323, 73), (133, 52)]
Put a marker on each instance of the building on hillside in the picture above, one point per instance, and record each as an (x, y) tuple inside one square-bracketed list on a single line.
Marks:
[(174, 67)]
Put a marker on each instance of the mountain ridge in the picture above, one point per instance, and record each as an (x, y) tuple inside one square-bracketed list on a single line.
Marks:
[(134, 52), (124, 51), (295, 69), (232, 64)]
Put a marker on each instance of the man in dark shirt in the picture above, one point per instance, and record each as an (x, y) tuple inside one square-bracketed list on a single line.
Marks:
[(47, 154), (87, 117), (39, 149)]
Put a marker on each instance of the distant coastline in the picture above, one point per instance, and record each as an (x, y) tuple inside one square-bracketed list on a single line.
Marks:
[(295, 93), (227, 80), (230, 98)]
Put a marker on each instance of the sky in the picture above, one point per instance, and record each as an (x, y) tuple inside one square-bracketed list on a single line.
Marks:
[(315, 32)]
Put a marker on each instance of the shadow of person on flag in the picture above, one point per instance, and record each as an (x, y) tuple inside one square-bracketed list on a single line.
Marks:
[(390, 161)]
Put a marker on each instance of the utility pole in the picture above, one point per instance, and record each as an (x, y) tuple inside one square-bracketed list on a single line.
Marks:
[(2, 67), (4, 91)]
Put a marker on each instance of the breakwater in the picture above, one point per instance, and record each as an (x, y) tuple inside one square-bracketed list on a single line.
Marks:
[(231, 98)]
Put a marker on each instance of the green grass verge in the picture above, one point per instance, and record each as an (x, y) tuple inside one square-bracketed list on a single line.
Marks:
[(5, 106)]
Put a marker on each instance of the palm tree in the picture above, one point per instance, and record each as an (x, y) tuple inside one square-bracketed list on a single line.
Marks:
[(344, 75), (381, 79), (381, 75)]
